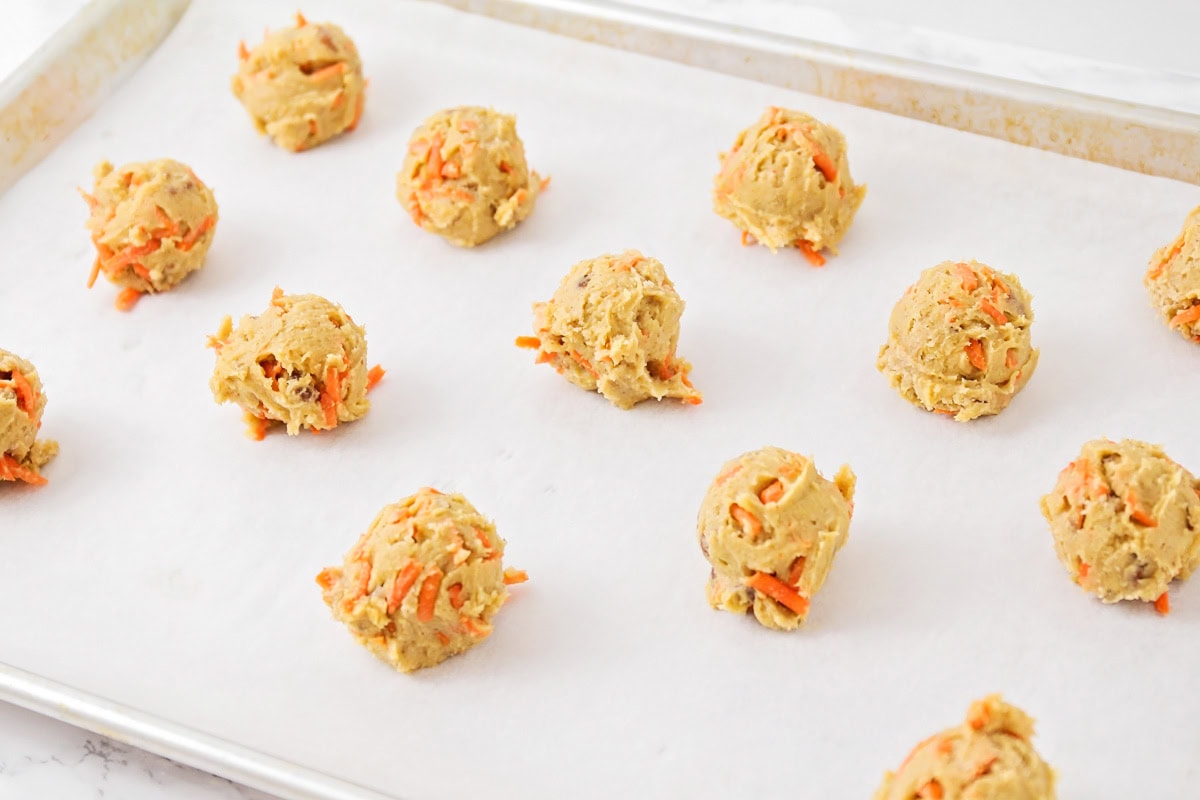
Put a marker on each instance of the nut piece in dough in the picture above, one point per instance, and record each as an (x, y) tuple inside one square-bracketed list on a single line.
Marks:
[(22, 401), (152, 223), (302, 362), (302, 86), (423, 582), (465, 176), (958, 341), (786, 182), (988, 757), (612, 326), (1125, 520), (770, 526), (1173, 279)]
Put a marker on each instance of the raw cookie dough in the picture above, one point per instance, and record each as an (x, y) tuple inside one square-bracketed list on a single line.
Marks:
[(22, 401), (302, 362), (612, 326), (302, 86), (988, 757), (770, 526), (958, 341), (786, 181), (1174, 279), (152, 223), (1125, 520), (465, 176), (423, 582)]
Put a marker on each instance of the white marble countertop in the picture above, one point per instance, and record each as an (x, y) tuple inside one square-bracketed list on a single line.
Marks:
[(42, 758)]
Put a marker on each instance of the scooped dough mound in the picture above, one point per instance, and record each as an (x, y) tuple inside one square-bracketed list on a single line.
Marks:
[(423, 582), (988, 757), (959, 341), (302, 362), (770, 526), (303, 85), (786, 182), (465, 176), (22, 401), (612, 326), (1125, 520), (152, 223), (1174, 279)]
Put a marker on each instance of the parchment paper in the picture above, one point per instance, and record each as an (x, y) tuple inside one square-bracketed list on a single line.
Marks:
[(169, 564)]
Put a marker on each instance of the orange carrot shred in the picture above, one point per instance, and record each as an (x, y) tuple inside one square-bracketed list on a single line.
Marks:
[(169, 226), (993, 312), (978, 715), (529, 342), (1163, 604), (747, 521), (193, 236), (814, 257), (514, 576), (545, 184), (1137, 514), (26, 396), (931, 791), (428, 596), (374, 376), (1175, 250), (127, 299), (745, 238), (778, 591), (433, 168), (771, 493), (970, 281), (975, 355), (796, 571), (455, 595), (95, 273), (337, 68), (243, 53), (327, 577), (823, 163), (1186, 317), (583, 362), (475, 627), (331, 396), (443, 638), (140, 271), (300, 20), (256, 426), (1084, 569), (1010, 358), (13, 470)]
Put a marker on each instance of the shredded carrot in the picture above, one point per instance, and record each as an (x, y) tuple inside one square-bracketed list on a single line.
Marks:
[(300, 20), (822, 161), (1158, 268), (95, 273), (975, 355), (692, 400), (745, 238), (1137, 514), (529, 342), (727, 474), (931, 791), (1010, 358), (140, 271), (993, 312), (337, 101), (433, 166), (970, 281), (978, 715), (545, 184), (814, 257), (455, 594), (747, 521), (243, 53), (1084, 569), (771, 493), (364, 578), (505, 167), (331, 396), (443, 638), (13, 470), (127, 299), (312, 127), (583, 362), (1163, 604), (26, 396), (374, 376), (129, 255), (336, 68), (912, 753), (256, 426), (428, 596), (327, 577), (189, 241), (778, 591), (169, 226), (795, 571), (1186, 317), (985, 766), (514, 576), (476, 627)]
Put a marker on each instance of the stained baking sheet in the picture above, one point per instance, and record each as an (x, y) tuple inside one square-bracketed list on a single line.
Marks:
[(169, 564)]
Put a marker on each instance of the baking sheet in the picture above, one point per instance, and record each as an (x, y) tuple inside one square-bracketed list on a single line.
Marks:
[(169, 563)]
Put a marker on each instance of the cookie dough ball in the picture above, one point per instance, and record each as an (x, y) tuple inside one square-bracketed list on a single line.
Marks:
[(22, 401), (465, 176), (423, 583), (958, 341), (786, 182), (1125, 520), (302, 362), (612, 327), (988, 757), (302, 86), (1174, 279), (152, 223), (770, 526)]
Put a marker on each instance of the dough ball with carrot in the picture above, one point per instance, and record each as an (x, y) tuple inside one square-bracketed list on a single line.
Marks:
[(302, 362), (959, 341), (786, 183), (612, 327), (423, 583), (1125, 520), (465, 177), (1173, 279), (152, 223), (988, 757), (302, 85), (22, 401), (770, 526)]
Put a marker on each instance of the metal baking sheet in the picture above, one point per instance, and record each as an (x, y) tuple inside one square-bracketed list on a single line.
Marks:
[(168, 566)]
